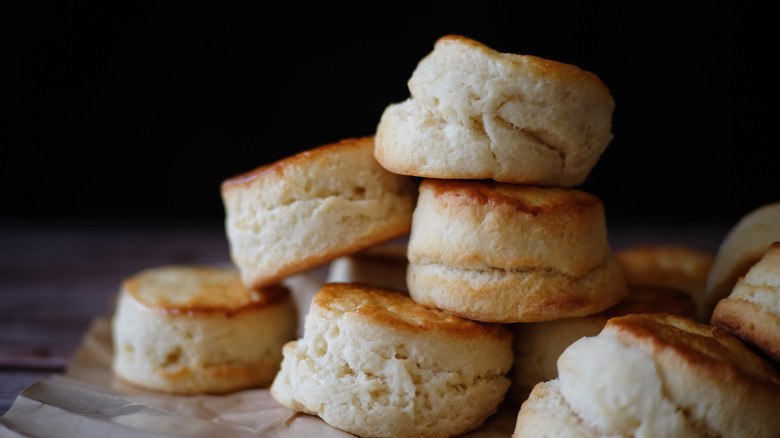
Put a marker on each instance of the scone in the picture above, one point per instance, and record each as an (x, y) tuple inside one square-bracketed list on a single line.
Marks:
[(375, 363), (673, 265), (197, 329), (752, 310), (538, 345), (308, 209), (476, 113), (655, 375), (507, 253), (382, 266), (743, 245)]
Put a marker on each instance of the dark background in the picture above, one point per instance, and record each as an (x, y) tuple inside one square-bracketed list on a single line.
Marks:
[(135, 114)]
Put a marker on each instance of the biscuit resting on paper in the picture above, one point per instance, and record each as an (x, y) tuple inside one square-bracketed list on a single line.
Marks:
[(374, 363), (196, 329)]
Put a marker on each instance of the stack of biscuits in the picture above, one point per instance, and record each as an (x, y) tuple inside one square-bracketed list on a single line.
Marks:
[(465, 270)]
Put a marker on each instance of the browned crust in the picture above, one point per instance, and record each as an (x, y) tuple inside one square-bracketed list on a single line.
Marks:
[(299, 159), (749, 322), (396, 310), (710, 350), (264, 298), (517, 198)]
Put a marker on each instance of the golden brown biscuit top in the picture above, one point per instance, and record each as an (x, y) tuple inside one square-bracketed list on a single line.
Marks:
[(300, 159), (540, 67), (517, 198), (187, 290), (396, 310), (706, 348)]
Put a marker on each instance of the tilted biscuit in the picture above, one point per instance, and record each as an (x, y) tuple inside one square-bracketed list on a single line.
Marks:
[(308, 209), (476, 113), (752, 310), (499, 252), (196, 329), (743, 245), (375, 363), (655, 375)]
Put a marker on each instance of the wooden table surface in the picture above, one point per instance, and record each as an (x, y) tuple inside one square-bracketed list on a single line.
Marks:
[(55, 280)]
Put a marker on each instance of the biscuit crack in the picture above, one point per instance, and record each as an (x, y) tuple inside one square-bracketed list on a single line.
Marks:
[(479, 124), (538, 137), (518, 270)]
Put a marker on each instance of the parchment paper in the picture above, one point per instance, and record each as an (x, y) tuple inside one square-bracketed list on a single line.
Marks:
[(88, 401)]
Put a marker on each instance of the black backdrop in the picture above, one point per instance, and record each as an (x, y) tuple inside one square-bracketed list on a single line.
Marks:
[(136, 113)]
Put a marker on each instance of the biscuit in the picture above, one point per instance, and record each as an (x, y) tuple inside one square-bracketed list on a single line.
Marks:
[(476, 113), (313, 207), (196, 329), (374, 363), (538, 345), (382, 266), (743, 245), (507, 253), (752, 310), (682, 267), (655, 375)]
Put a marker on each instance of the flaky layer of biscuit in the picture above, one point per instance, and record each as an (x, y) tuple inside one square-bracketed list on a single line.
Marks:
[(752, 309), (742, 247), (517, 295), (313, 207)]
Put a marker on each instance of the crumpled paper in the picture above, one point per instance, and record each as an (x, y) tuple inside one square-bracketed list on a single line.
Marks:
[(88, 401)]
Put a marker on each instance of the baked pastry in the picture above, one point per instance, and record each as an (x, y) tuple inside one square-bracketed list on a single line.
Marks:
[(382, 266), (743, 245), (476, 113), (655, 375), (537, 345), (375, 363), (682, 267), (752, 310), (308, 209), (507, 253), (197, 329)]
